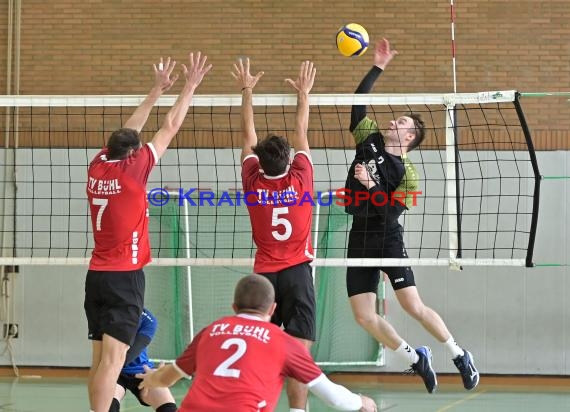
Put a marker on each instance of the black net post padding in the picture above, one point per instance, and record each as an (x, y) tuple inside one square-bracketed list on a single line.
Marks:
[(457, 183), (537, 179)]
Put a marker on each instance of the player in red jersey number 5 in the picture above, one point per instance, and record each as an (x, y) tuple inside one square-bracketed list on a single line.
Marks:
[(281, 229)]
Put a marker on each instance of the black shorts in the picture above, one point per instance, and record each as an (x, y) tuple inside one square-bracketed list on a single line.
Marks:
[(374, 245), (114, 304), (129, 382), (295, 298)]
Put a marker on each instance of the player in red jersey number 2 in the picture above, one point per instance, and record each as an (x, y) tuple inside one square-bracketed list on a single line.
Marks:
[(239, 362)]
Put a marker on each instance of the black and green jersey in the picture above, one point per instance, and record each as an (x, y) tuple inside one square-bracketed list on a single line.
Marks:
[(393, 175)]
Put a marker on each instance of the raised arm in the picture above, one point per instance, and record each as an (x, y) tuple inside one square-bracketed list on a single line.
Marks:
[(383, 55), (162, 82), (303, 85), (177, 112), (246, 82)]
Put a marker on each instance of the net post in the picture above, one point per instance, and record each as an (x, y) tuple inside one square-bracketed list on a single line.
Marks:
[(450, 185), (316, 239), (188, 271)]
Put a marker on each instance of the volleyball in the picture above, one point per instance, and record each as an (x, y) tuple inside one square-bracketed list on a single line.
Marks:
[(352, 40)]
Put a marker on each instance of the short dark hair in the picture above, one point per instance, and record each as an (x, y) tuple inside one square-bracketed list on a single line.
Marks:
[(254, 293), (273, 153), (420, 131), (121, 141)]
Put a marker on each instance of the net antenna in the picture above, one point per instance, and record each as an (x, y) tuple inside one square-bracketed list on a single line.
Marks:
[(452, 11)]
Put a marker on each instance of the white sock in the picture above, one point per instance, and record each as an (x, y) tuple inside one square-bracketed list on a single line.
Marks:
[(453, 348), (296, 410), (407, 353)]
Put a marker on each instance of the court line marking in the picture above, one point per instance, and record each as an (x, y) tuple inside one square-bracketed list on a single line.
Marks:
[(460, 401)]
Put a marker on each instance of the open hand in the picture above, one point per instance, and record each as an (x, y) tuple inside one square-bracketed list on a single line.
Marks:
[(304, 82), (241, 73), (383, 54), (163, 78), (197, 70), (368, 404), (146, 379)]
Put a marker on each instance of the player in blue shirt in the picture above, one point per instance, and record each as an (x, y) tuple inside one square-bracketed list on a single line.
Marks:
[(160, 399)]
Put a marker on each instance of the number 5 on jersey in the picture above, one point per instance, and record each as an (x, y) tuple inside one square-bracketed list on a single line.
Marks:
[(281, 221)]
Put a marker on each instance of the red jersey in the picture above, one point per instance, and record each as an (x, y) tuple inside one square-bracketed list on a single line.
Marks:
[(239, 363), (116, 190), (281, 222)]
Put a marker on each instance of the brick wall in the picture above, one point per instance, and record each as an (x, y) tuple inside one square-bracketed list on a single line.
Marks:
[(108, 46)]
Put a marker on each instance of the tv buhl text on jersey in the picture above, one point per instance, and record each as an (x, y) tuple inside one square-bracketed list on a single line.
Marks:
[(289, 197)]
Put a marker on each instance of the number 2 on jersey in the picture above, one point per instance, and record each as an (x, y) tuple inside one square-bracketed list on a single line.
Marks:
[(281, 221), (224, 369), (103, 204)]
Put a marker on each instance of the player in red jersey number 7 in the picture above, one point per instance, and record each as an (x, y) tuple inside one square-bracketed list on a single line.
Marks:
[(239, 362), (116, 190)]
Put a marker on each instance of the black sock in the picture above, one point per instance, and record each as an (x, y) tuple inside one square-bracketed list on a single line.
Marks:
[(167, 407), (115, 406)]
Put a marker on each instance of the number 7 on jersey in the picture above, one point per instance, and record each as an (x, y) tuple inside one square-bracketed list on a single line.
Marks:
[(102, 203)]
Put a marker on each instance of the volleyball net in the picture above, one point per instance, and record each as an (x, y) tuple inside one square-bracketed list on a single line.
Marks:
[(478, 200)]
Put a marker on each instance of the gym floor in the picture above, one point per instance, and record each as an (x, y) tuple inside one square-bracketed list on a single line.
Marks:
[(43, 392)]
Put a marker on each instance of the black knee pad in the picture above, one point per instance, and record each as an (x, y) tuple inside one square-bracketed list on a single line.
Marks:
[(167, 407), (115, 406)]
